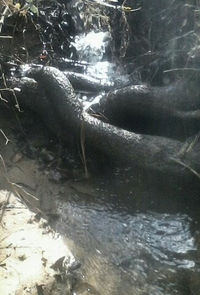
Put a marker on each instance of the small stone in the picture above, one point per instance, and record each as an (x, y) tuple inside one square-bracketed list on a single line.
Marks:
[(74, 266), (22, 257), (44, 261), (55, 176), (58, 264), (43, 223), (17, 157), (46, 155)]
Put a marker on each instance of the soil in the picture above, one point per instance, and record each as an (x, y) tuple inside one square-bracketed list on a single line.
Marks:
[(34, 259)]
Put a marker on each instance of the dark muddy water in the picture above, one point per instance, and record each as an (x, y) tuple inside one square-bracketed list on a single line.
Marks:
[(124, 249)]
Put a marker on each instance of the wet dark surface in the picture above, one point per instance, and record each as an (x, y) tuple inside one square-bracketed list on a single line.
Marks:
[(127, 249)]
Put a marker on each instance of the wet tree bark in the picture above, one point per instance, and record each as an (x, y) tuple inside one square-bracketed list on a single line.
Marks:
[(50, 93), (172, 111)]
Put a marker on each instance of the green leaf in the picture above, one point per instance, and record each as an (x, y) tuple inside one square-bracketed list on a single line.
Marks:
[(34, 9)]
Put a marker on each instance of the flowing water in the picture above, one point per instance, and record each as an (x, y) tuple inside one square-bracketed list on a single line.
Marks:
[(126, 248)]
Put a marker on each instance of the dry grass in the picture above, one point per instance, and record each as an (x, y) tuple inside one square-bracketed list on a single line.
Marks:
[(7, 8)]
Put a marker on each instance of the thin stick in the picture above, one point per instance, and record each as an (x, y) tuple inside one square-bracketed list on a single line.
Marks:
[(186, 166), (3, 99), (3, 77), (6, 138), (15, 97), (6, 37), (8, 89), (182, 69), (82, 139), (2, 19), (6, 202), (14, 185)]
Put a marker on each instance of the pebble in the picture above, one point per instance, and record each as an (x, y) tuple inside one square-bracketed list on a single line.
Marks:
[(17, 157)]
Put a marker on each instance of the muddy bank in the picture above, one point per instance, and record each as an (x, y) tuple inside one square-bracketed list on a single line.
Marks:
[(31, 252), (34, 258)]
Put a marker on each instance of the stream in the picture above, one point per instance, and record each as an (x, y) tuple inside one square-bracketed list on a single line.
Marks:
[(129, 241), (126, 249)]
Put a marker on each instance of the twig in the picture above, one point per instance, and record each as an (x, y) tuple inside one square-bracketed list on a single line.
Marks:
[(24, 191), (15, 186), (6, 202), (6, 138), (8, 89), (3, 99), (8, 246), (182, 69), (82, 139), (188, 145), (6, 37), (186, 166), (99, 2), (99, 115), (3, 78), (2, 19), (1, 262), (192, 144), (15, 97)]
